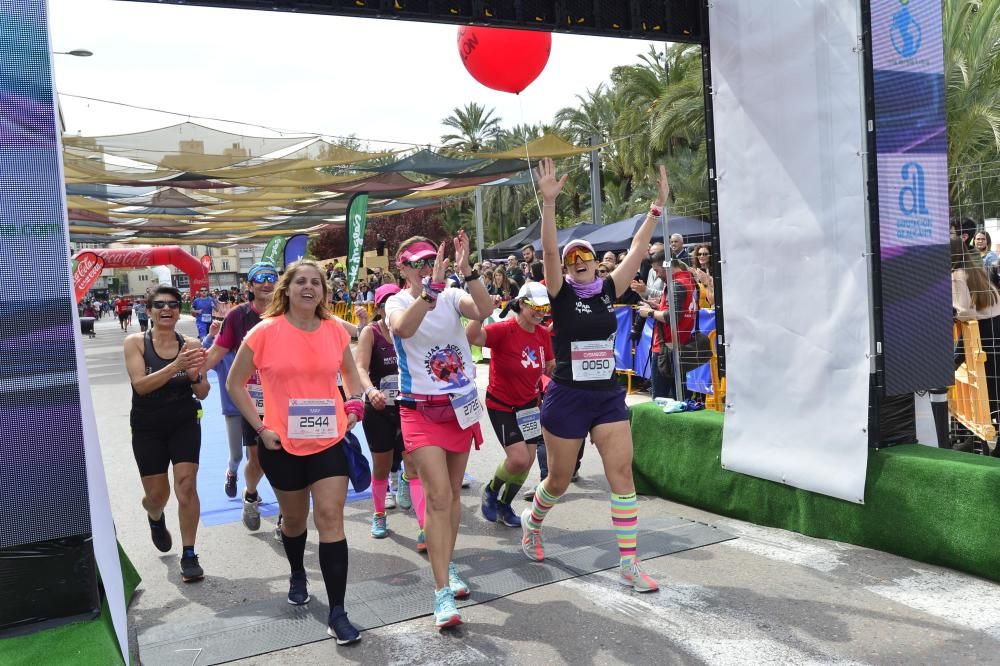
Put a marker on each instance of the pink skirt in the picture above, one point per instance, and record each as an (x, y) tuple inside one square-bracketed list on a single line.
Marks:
[(418, 431)]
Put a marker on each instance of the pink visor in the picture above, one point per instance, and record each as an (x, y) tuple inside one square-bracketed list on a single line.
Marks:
[(384, 292), (418, 250)]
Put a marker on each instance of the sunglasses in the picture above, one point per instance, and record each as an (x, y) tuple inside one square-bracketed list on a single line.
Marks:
[(159, 305), (261, 278), (581, 254), (703, 254), (420, 263), (540, 308)]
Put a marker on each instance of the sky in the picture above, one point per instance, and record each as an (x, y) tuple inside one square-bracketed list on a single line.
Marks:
[(380, 80)]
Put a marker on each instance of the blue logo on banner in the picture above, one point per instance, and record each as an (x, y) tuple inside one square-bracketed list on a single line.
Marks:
[(913, 203), (906, 33)]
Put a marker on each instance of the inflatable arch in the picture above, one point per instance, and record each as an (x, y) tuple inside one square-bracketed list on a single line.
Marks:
[(90, 263)]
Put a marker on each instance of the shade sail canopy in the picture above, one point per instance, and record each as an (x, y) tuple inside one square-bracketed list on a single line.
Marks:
[(618, 236)]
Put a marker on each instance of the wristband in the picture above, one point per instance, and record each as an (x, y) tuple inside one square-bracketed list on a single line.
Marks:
[(262, 428), (474, 275), (427, 298), (655, 210), (438, 286), (368, 391), (355, 407)]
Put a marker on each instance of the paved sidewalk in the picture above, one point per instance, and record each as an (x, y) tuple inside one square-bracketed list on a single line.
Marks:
[(767, 597)]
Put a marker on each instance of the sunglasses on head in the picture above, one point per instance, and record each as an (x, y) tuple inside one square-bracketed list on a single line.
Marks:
[(581, 254), (420, 263), (260, 278), (159, 305)]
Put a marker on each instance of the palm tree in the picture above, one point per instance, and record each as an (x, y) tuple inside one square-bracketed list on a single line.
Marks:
[(972, 71), (476, 127)]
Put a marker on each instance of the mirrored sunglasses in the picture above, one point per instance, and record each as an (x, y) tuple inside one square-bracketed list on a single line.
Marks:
[(540, 308), (264, 277), (581, 254), (159, 305), (420, 263)]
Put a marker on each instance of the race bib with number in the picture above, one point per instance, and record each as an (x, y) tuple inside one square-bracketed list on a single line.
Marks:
[(467, 408), (207, 318), (257, 395), (592, 360), (530, 422), (390, 388), (312, 419)]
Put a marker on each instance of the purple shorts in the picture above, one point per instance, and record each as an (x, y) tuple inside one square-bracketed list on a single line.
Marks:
[(571, 413)]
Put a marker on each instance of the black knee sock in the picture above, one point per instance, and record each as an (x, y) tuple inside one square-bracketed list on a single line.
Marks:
[(295, 550), (333, 563)]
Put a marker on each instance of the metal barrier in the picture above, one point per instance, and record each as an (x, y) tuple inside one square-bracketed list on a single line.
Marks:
[(969, 399)]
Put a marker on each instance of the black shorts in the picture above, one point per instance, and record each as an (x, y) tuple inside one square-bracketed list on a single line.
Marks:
[(382, 429), (250, 437), (288, 472), (506, 428), (164, 437), (123, 317)]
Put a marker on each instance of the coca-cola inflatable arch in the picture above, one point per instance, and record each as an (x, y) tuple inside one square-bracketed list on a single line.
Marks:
[(90, 263)]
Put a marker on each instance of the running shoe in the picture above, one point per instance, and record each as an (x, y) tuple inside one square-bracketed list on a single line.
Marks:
[(421, 541), (529, 494), (445, 612), (230, 487), (632, 574), (160, 534), (459, 589), (340, 627), (507, 515), (488, 505), (251, 513), (531, 540), (390, 500), (298, 592), (403, 494), (191, 571), (465, 482), (277, 530), (379, 530)]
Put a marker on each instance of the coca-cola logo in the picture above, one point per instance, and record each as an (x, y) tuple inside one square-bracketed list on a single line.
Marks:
[(128, 257), (88, 269)]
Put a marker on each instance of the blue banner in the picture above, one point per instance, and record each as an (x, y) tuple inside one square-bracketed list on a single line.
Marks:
[(295, 248)]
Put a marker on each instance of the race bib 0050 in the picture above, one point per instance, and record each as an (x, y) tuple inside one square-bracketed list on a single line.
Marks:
[(592, 360)]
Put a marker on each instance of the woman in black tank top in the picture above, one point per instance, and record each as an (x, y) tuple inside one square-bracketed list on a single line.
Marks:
[(584, 396), (166, 370)]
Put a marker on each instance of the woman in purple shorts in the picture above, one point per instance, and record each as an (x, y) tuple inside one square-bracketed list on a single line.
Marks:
[(584, 396)]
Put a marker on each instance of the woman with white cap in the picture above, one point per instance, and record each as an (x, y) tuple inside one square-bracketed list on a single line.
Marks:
[(584, 396), (520, 353), (439, 406), (375, 357)]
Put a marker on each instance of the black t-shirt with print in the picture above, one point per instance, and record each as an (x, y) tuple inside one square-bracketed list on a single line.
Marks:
[(575, 319)]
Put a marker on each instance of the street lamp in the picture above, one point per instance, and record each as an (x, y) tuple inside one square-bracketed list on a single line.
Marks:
[(79, 53)]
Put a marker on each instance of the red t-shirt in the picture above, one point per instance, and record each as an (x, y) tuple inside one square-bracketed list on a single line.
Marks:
[(124, 306), (517, 363)]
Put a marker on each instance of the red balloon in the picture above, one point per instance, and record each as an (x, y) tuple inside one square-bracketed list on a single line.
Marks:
[(504, 59)]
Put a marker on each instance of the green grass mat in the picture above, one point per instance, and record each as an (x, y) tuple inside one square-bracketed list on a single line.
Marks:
[(90, 642), (928, 504)]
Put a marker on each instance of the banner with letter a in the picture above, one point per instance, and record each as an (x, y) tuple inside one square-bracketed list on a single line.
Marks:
[(357, 219)]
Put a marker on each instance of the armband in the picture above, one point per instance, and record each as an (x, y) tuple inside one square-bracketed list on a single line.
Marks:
[(356, 407)]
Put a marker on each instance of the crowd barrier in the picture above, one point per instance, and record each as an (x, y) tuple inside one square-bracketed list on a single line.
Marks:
[(968, 398)]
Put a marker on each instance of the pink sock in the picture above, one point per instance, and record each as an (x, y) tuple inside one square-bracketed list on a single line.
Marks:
[(419, 503), (379, 489)]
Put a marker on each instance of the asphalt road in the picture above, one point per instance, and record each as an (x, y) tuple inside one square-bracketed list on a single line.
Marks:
[(766, 597)]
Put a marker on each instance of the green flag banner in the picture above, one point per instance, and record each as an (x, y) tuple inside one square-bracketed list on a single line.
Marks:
[(274, 252), (357, 212)]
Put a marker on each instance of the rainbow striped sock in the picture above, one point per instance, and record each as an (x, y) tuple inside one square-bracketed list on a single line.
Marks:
[(625, 517), (540, 506)]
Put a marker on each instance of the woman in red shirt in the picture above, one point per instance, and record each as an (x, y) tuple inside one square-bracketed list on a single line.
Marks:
[(520, 353), (298, 349)]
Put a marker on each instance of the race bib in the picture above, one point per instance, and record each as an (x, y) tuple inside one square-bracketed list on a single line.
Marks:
[(312, 419), (390, 388), (592, 360), (257, 395), (530, 422), (467, 408), (206, 318)]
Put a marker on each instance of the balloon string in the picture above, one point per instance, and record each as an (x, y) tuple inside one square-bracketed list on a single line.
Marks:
[(527, 156)]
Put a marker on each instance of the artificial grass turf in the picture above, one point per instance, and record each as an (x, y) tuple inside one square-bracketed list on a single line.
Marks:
[(929, 504), (89, 642)]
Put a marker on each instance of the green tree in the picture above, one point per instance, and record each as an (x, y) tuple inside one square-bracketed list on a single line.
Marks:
[(475, 128)]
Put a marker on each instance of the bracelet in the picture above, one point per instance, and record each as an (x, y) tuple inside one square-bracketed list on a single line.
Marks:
[(427, 298), (262, 428), (546, 205), (474, 275), (356, 407), (655, 210)]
